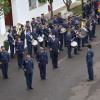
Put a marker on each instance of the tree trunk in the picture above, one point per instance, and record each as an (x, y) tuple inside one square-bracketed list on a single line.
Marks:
[(51, 9), (82, 2)]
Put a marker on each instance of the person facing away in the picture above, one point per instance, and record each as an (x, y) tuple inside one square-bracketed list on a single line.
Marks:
[(4, 61), (89, 61)]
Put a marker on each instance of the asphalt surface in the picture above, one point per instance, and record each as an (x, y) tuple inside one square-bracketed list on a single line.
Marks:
[(60, 82)]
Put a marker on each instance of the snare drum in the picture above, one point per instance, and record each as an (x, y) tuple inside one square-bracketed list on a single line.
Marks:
[(40, 39), (74, 44), (35, 43)]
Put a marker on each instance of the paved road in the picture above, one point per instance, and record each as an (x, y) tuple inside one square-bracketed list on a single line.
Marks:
[(65, 83)]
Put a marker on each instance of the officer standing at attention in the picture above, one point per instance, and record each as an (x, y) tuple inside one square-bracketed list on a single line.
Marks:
[(4, 61), (19, 51), (14, 32), (22, 36), (33, 23), (28, 69), (60, 19), (29, 39), (43, 18), (89, 60), (11, 43), (35, 36), (68, 43), (42, 60), (54, 48)]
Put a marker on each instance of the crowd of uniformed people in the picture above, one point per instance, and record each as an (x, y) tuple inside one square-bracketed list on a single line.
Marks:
[(54, 34)]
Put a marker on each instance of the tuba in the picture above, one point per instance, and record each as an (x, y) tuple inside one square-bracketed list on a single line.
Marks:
[(82, 31), (19, 28)]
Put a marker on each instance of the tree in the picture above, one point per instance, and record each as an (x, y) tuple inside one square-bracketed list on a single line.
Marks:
[(51, 2), (67, 4), (4, 7)]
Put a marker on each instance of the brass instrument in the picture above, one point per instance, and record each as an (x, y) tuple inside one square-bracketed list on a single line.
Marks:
[(19, 28), (83, 22), (82, 32), (63, 30)]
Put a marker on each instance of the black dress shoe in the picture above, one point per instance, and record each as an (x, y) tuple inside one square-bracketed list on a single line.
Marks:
[(80, 50), (70, 57), (76, 53), (12, 57), (90, 79), (31, 88)]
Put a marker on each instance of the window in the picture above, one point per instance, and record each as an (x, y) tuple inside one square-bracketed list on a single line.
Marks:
[(32, 4)]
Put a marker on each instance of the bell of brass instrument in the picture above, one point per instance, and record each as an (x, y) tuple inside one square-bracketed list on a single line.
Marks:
[(63, 30), (82, 31), (83, 22), (19, 28)]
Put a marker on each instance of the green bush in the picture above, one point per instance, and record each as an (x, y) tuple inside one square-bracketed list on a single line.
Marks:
[(42, 1), (77, 9), (6, 45)]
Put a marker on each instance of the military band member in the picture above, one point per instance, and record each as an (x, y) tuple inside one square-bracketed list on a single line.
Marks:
[(60, 19), (51, 23), (89, 60), (20, 51), (14, 32), (27, 25), (11, 43), (68, 43), (35, 36), (28, 69), (4, 61), (84, 10), (54, 48), (29, 39), (43, 18), (61, 37), (42, 60), (78, 27), (73, 33), (65, 25), (49, 39), (33, 23), (22, 36), (55, 21), (55, 31)]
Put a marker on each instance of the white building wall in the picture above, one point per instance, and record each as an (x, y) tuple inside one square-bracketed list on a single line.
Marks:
[(21, 12), (2, 25)]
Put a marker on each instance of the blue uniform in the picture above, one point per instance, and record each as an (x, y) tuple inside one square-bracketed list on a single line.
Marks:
[(4, 58), (42, 58), (22, 36), (14, 34), (33, 23), (51, 24), (29, 43), (19, 47), (54, 45), (68, 43), (43, 20), (84, 11), (65, 25), (78, 39), (60, 19), (61, 38), (55, 21), (56, 32), (89, 60), (29, 66), (73, 33), (35, 36), (11, 40)]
